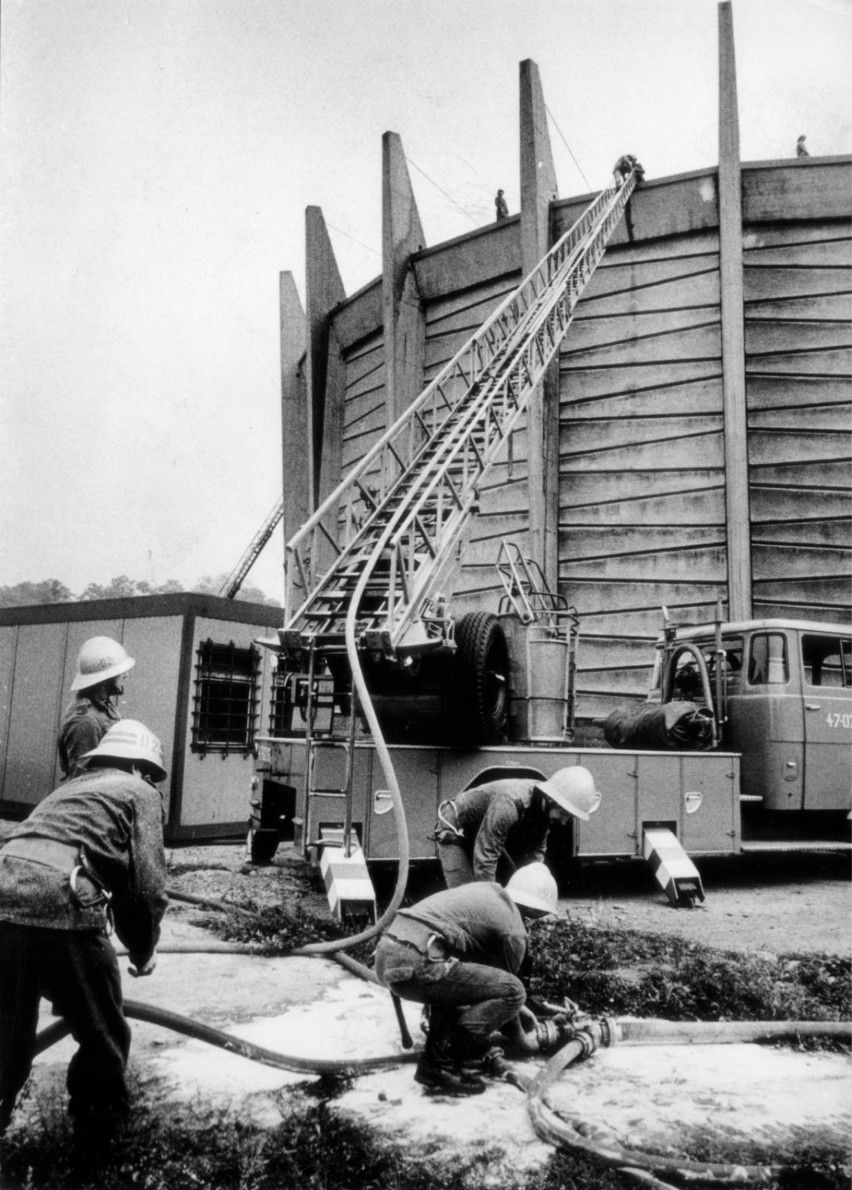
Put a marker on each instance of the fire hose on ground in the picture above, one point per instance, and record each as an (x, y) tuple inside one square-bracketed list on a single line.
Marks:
[(584, 1036), (582, 1042), (551, 1127), (576, 1036)]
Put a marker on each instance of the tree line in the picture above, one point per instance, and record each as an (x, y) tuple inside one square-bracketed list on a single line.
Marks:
[(51, 590)]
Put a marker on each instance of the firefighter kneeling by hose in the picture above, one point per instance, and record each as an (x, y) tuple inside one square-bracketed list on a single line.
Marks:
[(460, 952)]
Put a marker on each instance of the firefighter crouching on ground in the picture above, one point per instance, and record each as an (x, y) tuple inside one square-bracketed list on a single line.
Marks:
[(91, 852), (98, 687), (486, 832), (460, 952)]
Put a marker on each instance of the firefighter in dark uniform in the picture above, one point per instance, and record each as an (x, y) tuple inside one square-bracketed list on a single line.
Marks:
[(484, 833), (89, 855), (98, 686), (460, 952)]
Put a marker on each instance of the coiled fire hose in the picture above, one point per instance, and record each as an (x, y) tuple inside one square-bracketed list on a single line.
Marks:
[(551, 1127), (548, 1124)]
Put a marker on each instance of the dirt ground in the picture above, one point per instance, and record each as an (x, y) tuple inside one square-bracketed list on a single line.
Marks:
[(777, 903), (310, 1007)]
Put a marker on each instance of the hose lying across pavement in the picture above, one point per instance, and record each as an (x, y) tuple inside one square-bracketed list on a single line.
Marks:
[(551, 1127), (235, 1045), (548, 1124)]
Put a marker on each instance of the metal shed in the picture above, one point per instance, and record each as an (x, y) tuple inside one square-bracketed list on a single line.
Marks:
[(199, 682)]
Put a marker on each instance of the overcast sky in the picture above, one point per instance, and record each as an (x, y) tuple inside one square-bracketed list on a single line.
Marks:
[(157, 157)]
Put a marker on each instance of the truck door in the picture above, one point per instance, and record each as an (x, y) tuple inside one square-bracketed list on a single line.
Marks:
[(766, 723), (827, 690)]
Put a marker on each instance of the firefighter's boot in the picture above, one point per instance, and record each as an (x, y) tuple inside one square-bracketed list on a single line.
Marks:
[(440, 1069)]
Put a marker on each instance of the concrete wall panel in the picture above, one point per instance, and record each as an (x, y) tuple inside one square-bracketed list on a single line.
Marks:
[(788, 446), (701, 507), (611, 486), (586, 383), (773, 392), (812, 188), (473, 260), (359, 316), (676, 564), (697, 396)]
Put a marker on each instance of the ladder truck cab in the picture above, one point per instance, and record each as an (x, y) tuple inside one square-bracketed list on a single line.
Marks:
[(779, 693)]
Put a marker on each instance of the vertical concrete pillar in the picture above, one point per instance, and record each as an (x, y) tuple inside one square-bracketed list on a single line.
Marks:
[(402, 309), (538, 190), (324, 371), (733, 333), (296, 492), (296, 489)]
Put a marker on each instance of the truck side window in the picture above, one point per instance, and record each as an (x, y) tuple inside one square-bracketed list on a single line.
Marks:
[(733, 663), (827, 660), (767, 663)]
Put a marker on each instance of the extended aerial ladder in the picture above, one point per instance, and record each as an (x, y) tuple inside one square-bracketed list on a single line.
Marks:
[(362, 573), (235, 579)]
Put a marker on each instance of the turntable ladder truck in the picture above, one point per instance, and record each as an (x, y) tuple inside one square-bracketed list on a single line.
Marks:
[(362, 575)]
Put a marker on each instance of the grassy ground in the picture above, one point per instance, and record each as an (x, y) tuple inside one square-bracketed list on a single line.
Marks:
[(606, 971)]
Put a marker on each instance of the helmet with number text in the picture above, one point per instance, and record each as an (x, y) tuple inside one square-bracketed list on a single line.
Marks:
[(100, 659), (131, 740)]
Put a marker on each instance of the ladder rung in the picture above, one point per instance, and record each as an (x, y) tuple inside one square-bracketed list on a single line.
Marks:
[(468, 412)]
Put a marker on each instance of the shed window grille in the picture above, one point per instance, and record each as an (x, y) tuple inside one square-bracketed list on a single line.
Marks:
[(226, 696)]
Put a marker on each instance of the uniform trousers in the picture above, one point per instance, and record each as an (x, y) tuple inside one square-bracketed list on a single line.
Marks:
[(474, 997), (77, 971)]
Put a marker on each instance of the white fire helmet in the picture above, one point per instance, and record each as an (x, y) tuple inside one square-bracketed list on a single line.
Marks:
[(131, 740), (101, 658), (573, 788), (533, 887)]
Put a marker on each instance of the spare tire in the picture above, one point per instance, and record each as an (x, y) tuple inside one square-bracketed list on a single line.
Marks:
[(479, 695)]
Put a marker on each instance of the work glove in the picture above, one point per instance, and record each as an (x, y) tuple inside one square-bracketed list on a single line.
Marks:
[(139, 967)]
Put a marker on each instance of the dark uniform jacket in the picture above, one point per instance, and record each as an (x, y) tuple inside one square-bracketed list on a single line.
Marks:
[(479, 922), (511, 814), (84, 724), (117, 820)]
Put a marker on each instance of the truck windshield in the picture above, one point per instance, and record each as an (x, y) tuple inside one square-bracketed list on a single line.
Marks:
[(767, 663), (827, 660)]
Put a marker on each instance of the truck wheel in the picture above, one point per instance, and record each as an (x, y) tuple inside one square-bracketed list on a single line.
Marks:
[(479, 699)]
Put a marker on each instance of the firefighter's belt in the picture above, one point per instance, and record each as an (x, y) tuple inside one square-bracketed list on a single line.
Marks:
[(87, 889), (416, 935), (62, 857)]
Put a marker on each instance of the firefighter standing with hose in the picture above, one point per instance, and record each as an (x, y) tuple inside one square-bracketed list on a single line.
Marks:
[(97, 685), (460, 952), (89, 855), (486, 832)]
